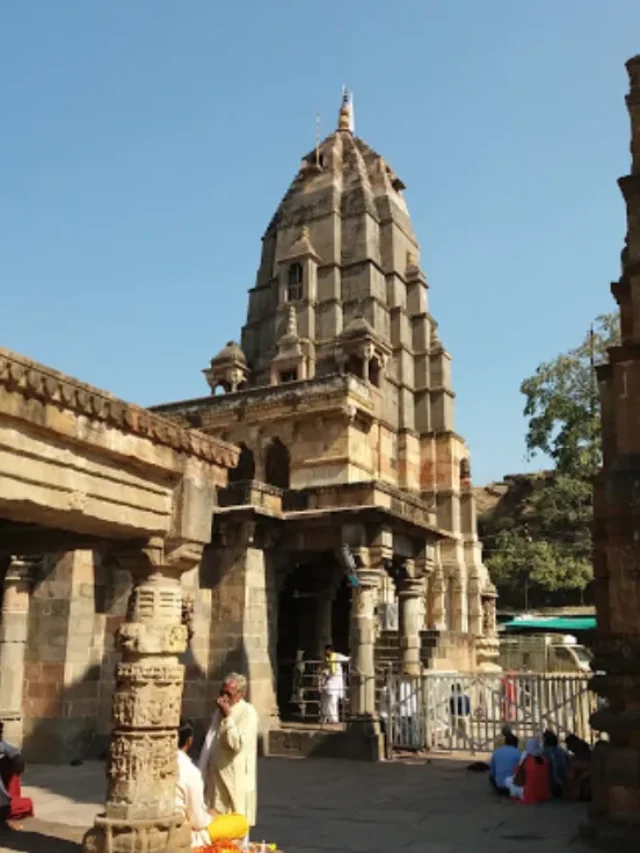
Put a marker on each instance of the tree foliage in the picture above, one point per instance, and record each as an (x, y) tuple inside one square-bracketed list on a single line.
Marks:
[(562, 403), (545, 545)]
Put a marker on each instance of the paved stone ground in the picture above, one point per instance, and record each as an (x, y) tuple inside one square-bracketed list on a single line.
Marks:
[(325, 805)]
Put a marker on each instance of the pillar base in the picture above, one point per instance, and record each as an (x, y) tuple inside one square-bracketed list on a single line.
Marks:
[(365, 741), (164, 835)]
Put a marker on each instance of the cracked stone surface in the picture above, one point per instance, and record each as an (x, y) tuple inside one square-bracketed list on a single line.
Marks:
[(316, 805)]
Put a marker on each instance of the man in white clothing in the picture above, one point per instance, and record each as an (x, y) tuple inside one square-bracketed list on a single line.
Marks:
[(228, 761), (333, 690), (190, 790)]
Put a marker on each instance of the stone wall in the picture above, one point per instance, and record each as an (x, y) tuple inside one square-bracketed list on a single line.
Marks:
[(63, 660)]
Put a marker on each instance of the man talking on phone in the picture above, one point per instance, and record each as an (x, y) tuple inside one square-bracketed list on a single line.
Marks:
[(228, 761)]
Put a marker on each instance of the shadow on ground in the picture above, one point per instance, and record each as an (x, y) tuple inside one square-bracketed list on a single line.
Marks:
[(38, 837)]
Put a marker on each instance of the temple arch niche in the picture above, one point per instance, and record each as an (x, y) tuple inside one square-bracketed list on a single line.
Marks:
[(246, 468), (277, 468)]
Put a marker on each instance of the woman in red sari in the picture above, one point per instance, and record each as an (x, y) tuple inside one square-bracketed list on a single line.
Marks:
[(13, 806), (531, 782)]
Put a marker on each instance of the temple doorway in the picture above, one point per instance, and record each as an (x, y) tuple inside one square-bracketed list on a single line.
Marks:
[(314, 609)]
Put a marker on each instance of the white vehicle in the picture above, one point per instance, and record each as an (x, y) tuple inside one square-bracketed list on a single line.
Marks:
[(543, 653)]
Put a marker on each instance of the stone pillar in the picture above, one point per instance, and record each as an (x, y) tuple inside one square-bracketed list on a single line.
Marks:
[(474, 606), (363, 688), (488, 645), (13, 641), (437, 601), (323, 622), (140, 810), (411, 594)]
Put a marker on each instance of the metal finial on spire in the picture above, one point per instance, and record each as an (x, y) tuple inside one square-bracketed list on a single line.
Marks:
[(345, 119), (317, 138)]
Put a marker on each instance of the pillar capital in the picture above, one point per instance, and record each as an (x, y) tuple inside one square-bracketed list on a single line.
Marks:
[(21, 570), (411, 588), (368, 579)]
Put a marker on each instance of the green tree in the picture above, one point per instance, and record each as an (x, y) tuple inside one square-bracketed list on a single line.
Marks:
[(545, 546), (562, 403)]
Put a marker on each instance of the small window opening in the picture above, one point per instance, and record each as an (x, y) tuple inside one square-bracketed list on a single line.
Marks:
[(289, 376), (294, 283), (355, 365), (374, 372)]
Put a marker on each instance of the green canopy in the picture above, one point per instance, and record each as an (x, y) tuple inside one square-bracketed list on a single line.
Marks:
[(564, 624)]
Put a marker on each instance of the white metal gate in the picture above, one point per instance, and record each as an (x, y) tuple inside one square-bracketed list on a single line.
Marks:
[(466, 712)]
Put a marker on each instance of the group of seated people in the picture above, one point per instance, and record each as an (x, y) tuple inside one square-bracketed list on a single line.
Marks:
[(542, 770)]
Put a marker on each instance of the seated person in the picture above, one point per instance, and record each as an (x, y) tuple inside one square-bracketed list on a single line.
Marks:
[(502, 738), (558, 761), (577, 784), (531, 781), (205, 828), (503, 764), (13, 806)]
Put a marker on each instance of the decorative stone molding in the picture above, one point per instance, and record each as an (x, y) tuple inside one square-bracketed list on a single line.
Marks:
[(34, 381)]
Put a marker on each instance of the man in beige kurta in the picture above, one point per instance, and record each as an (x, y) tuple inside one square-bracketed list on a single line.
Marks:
[(228, 761)]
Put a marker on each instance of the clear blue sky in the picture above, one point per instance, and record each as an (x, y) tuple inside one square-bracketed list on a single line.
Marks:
[(146, 143)]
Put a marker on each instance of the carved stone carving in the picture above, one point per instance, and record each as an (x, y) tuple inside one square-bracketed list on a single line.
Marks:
[(147, 696), (142, 766)]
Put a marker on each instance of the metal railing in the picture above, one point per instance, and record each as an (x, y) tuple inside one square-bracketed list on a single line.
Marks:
[(314, 699), (466, 712)]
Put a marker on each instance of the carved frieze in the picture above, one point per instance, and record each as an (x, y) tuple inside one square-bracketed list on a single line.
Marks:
[(140, 765), (148, 639), (152, 706), (32, 380)]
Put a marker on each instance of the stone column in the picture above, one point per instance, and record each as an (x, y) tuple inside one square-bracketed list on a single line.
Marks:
[(363, 689), (140, 811), (474, 605), (323, 622), (411, 594), (13, 642), (437, 601)]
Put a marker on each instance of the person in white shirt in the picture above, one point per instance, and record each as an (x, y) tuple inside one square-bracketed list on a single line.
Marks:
[(190, 790), (333, 689)]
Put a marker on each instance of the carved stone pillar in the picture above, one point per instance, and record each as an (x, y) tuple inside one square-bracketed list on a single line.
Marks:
[(411, 594), (488, 645), (13, 642), (438, 608), (140, 811), (474, 606), (363, 692)]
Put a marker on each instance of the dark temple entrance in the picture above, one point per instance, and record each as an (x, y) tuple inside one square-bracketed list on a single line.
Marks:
[(314, 607)]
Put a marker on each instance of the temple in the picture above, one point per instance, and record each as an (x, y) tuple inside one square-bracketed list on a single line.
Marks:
[(615, 810), (339, 397)]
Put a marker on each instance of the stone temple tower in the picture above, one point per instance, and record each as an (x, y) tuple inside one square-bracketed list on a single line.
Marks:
[(340, 397)]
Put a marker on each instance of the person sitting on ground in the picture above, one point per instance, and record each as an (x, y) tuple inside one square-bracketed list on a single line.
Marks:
[(503, 764), (502, 738), (577, 785), (531, 783), (13, 806), (558, 761), (190, 789)]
